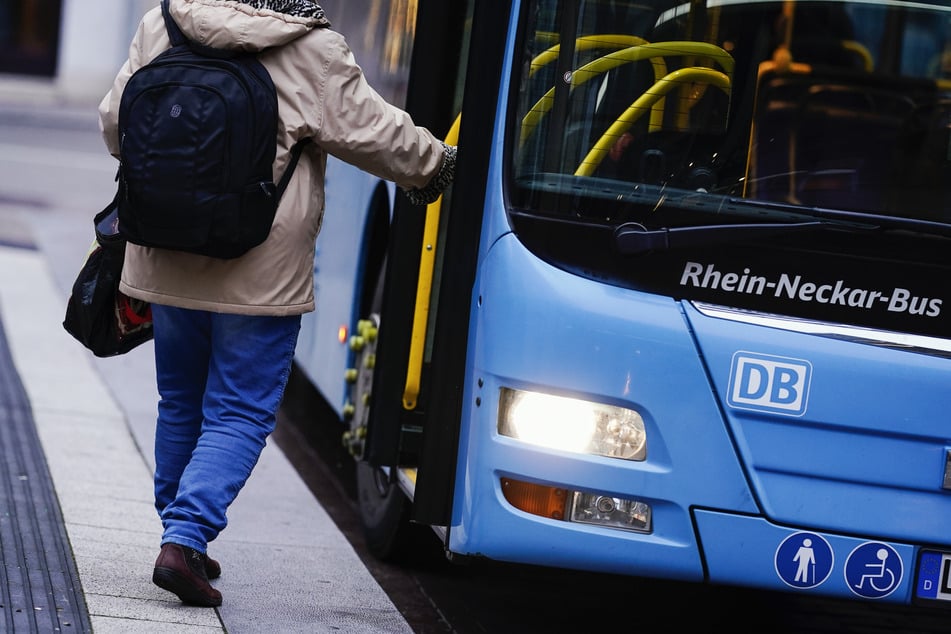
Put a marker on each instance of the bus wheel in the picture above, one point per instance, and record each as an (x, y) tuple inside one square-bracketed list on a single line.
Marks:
[(384, 508), (387, 529), (384, 513)]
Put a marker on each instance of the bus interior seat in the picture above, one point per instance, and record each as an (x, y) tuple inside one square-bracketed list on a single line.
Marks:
[(923, 173), (831, 140)]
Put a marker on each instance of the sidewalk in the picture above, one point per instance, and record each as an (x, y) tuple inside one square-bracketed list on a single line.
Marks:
[(286, 567)]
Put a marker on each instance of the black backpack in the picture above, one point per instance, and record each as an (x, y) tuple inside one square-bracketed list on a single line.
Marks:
[(198, 137)]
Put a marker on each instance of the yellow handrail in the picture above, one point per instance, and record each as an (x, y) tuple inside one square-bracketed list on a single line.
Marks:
[(868, 63), (424, 284), (634, 112), (586, 43), (654, 52)]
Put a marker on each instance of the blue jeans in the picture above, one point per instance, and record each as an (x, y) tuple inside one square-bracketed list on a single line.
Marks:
[(220, 380)]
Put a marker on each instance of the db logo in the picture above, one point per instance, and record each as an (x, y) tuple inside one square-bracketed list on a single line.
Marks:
[(770, 384)]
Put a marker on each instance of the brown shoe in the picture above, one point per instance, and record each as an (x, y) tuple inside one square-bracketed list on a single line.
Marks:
[(181, 571), (212, 568)]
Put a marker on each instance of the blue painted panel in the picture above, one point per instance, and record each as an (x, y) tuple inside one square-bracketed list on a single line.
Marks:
[(863, 451), (337, 279), (539, 328), (751, 551)]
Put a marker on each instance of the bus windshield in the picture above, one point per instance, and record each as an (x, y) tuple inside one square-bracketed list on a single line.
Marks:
[(755, 111)]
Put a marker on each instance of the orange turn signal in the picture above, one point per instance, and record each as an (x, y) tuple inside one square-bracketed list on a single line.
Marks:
[(536, 499)]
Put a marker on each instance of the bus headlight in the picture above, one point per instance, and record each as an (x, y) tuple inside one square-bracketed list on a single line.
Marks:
[(570, 424)]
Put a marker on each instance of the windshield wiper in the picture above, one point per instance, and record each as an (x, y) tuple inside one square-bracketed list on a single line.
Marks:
[(633, 238)]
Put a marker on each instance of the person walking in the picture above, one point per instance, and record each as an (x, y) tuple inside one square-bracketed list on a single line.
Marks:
[(225, 330)]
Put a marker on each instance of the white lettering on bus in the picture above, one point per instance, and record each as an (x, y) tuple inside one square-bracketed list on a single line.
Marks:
[(786, 286)]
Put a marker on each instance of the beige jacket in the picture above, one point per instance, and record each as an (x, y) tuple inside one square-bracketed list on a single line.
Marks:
[(322, 93)]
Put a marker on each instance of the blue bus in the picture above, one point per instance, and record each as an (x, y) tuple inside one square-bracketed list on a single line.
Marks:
[(681, 315)]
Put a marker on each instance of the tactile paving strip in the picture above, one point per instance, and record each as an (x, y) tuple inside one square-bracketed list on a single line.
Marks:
[(39, 585)]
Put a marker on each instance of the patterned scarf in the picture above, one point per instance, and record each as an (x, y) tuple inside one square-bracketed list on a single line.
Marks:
[(299, 8)]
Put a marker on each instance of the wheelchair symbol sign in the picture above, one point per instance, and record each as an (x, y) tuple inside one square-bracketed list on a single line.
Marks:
[(804, 560), (873, 570)]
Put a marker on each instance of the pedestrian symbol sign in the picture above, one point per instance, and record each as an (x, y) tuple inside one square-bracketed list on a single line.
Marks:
[(804, 560), (873, 570)]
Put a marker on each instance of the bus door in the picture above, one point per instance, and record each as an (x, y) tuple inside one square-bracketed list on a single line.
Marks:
[(423, 298)]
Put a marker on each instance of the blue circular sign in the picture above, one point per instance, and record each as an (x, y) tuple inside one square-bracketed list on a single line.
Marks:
[(873, 570), (804, 560)]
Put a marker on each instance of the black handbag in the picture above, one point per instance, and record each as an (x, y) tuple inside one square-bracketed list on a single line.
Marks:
[(98, 315)]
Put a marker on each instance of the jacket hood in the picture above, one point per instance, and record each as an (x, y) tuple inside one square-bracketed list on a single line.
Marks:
[(247, 25)]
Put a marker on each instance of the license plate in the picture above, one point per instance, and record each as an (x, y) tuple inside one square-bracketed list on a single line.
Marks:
[(934, 576)]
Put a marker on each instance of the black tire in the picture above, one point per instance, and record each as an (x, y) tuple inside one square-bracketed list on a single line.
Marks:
[(385, 515), (384, 508)]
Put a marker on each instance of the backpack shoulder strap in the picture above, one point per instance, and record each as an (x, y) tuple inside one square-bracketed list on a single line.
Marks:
[(295, 157), (180, 39), (174, 33)]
